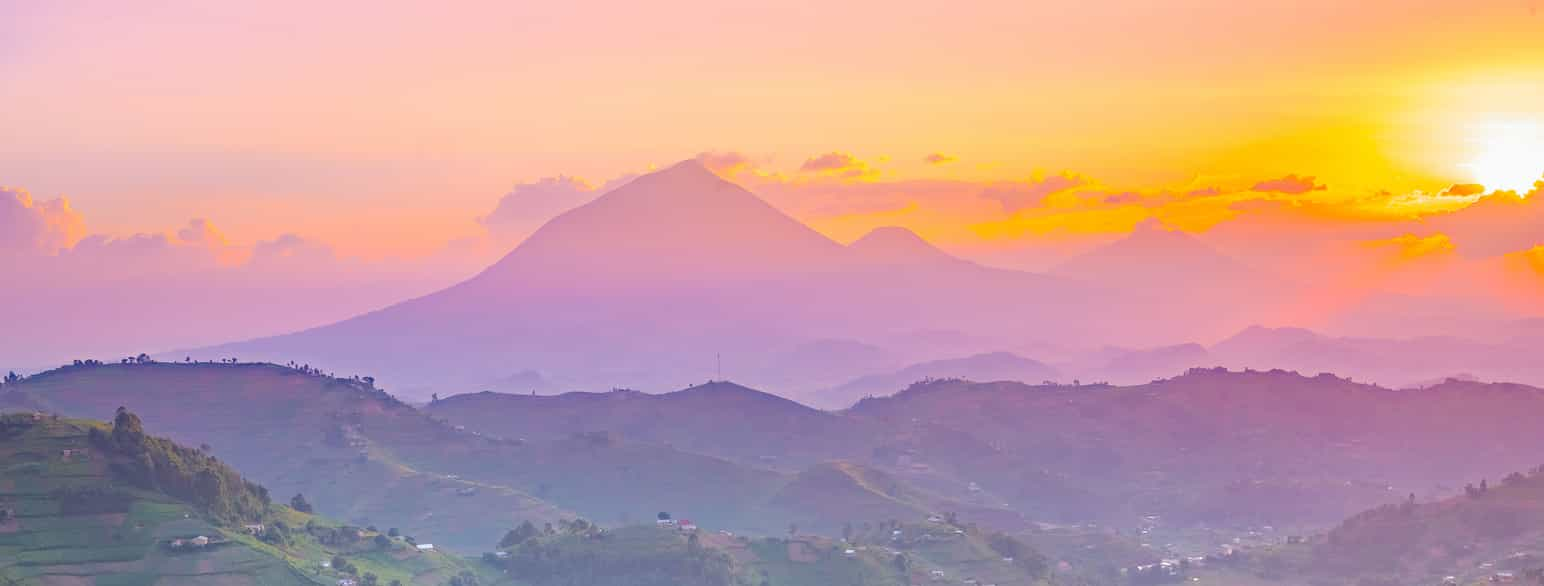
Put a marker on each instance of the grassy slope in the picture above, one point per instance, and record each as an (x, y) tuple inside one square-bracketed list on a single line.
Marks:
[(330, 439), (45, 546)]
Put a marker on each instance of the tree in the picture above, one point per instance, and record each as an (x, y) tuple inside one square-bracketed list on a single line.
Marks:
[(369, 579), (382, 541), (793, 529), (128, 431), (518, 535), (299, 503), (393, 532)]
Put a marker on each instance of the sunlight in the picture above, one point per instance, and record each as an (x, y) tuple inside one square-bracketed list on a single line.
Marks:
[(1508, 155)]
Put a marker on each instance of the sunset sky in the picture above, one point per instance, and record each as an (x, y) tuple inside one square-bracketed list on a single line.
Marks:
[(1012, 132)]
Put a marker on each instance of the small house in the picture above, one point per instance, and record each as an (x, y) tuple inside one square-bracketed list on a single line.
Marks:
[(199, 541), (686, 526), (253, 529), (850, 553), (503, 555), (425, 547)]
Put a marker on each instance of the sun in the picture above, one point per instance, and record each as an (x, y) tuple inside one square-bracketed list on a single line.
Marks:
[(1508, 155)]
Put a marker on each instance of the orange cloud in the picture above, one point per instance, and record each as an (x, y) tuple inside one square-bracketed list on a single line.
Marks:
[(727, 164), (938, 159), (1464, 190), (838, 164), (1411, 247), (33, 227), (1015, 197), (1291, 184)]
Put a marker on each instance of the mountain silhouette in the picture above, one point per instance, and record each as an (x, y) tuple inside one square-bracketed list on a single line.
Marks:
[(659, 281)]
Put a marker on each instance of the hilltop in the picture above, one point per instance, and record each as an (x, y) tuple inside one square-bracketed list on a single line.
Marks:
[(718, 418), (82, 502)]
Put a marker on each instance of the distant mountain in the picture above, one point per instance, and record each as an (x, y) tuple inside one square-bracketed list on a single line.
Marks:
[(721, 419), (1287, 449), (1128, 366), (1154, 256), (1176, 275), (992, 366), (1392, 362), (646, 285), (894, 245)]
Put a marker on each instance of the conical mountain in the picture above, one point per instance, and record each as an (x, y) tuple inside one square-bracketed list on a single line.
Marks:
[(682, 222), (1153, 254), (898, 246)]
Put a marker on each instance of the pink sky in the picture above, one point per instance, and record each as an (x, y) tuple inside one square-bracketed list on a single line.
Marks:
[(401, 146)]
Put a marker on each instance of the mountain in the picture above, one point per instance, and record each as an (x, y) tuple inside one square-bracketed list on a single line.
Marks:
[(681, 223), (1392, 362), (86, 503), (1128, 366), (1173, 273), (1154, 256), (720, 419), (1291, 450), (653, 284), (982, 367), (894, 245)]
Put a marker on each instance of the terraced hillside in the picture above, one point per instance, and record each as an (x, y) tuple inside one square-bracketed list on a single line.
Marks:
[(77, 508)]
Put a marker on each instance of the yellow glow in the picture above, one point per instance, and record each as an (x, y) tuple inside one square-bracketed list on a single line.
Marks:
[(1509, 155)]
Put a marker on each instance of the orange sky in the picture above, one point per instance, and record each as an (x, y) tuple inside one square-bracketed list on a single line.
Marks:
[(389, 128)]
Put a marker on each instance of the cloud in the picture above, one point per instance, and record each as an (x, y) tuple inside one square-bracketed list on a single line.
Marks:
[(1204, 192), (726, 164), (938, 159), (199, 232), (1496, 224), (529, 205), (1291, 184), (837, 164), (1410, 246), (37, 227), (1464, 190), (1016, 197), (1124, 198)]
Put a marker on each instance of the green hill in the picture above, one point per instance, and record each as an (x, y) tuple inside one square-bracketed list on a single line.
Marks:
[(885, 554), (86, 503)]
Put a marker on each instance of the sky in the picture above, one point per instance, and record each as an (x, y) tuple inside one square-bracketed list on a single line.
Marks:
[(383, 149)]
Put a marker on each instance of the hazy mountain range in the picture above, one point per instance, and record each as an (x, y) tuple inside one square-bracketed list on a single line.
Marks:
[(680, 276)]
